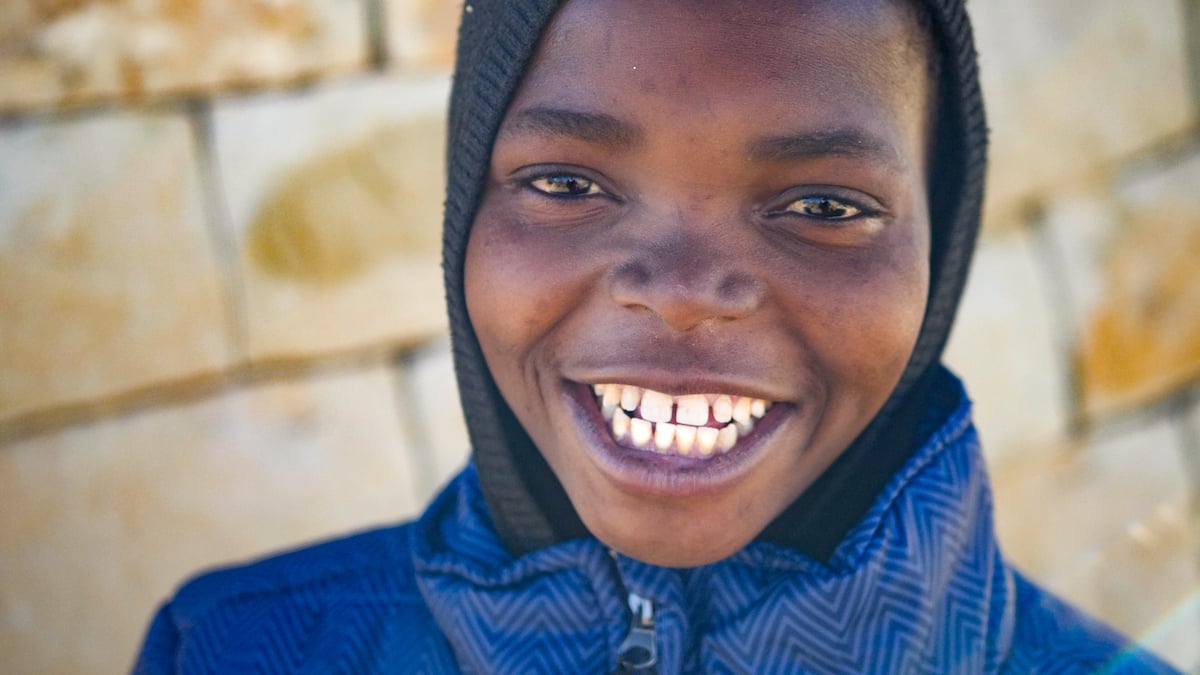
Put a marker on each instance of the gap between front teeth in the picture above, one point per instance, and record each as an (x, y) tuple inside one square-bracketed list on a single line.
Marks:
[(678, 425)]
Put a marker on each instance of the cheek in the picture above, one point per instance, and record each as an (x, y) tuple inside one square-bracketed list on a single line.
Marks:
[(498, 300), (890, 306), (519, 282), (865, 311)]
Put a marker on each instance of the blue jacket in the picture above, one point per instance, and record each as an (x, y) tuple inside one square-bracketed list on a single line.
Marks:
[(918, 586)]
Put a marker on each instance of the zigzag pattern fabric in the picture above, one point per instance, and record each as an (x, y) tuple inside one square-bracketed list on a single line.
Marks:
[(919, 586)]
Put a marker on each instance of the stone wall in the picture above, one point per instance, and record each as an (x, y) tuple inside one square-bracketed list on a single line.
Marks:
[(222, 333)]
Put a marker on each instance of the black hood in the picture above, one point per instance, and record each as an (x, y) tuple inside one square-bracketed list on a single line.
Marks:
[(529, 507)]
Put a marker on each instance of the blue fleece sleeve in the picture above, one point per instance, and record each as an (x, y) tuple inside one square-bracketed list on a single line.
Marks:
[(161, 647)]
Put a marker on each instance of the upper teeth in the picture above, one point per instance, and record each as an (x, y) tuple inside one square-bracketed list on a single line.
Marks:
[(655, 421), (691, 410)]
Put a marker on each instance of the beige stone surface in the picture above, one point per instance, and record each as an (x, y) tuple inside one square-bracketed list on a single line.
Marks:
[(102, 522), (1190, 431), (422, 33), (1149, 584), (430, 396), (1142, 337), (1005, 349), (1174, 638), (335, 201), (1106, 523), (1073, 86), (1128, 254), (107, 278), (73, 51)]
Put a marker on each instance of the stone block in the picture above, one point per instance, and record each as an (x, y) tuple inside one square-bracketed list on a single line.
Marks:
[(1175, 640), (101, 522), (107, 277), (74, 51), (422, 33), (1006, 348), (1147, 583), (1190, 432), (1129, 256), (335, 202), (1104, 522), (435, 414), (1073, 87)]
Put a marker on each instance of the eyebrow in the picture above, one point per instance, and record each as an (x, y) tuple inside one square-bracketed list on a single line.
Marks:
[(851, 143), (591, 127)]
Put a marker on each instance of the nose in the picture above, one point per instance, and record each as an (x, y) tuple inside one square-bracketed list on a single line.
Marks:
[(685, 284)]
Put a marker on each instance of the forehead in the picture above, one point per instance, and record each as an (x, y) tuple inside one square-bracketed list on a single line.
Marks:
[(765, 63)]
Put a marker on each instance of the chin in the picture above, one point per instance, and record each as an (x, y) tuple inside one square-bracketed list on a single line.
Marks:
[(667, 543)]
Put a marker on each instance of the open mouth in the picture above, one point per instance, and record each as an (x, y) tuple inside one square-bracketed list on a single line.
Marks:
[(690, 444), (694, 425)]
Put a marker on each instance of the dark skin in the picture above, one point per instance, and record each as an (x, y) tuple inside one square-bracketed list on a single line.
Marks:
[(705, 197)]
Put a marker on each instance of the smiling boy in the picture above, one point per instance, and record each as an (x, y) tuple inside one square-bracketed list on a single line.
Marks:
[(701, 260), (690, 207)]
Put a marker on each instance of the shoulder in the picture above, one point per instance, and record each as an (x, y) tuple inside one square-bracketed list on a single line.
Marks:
[(354, 597), (1053, 637), (376, 561)]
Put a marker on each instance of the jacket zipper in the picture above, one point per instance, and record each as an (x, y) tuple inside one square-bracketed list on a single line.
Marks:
[(638, 652)]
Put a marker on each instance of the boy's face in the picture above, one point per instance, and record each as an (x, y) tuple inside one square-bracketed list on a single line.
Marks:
[(713, 199)]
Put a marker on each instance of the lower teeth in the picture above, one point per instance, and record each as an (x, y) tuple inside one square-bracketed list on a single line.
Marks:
[(675, 439)]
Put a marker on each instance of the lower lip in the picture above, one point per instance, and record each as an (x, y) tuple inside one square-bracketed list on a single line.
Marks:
[(668, 475)]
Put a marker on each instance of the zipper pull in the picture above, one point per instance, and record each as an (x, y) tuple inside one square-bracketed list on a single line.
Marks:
[(638, 652)]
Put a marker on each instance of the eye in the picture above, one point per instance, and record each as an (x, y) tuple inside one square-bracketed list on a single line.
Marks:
[(824, 208), (565, 185)]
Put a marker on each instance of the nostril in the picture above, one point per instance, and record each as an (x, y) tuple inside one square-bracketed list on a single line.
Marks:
[(740, 293), (684, 295), (627, 282), (632, 272)]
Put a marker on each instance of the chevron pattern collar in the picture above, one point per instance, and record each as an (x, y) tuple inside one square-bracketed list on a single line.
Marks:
[(918, 586)]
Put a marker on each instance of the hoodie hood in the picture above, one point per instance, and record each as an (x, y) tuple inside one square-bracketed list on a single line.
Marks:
[(529, 508)]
